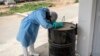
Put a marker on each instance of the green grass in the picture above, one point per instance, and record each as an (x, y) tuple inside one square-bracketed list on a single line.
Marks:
[(76, 1), (5, 13), (26, 7), (29, 7)]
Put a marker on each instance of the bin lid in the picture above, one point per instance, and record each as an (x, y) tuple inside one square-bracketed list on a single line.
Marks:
[(67, 26)]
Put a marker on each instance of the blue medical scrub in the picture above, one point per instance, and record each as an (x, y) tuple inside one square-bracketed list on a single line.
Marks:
[(30, 25)]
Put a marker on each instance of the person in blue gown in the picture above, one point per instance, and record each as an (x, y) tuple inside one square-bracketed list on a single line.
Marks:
[(30, 25)]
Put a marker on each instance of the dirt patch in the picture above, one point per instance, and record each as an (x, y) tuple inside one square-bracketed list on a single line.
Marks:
[(61, 3), (4, 8)]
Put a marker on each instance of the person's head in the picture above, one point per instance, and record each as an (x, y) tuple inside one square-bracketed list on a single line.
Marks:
[(52, 16)]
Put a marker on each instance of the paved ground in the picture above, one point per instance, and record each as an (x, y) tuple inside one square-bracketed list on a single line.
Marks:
[(9, 27)]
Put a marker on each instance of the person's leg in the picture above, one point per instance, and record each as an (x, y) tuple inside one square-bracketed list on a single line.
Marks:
[(25, 51), (32, 51)]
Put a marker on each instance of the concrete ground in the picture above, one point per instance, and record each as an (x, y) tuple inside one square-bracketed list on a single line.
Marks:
[(9, 26)]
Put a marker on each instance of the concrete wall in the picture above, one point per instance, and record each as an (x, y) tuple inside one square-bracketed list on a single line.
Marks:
[(87, 10), (96, 39)]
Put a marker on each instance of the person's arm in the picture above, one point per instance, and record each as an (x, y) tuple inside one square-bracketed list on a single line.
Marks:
[(57, 25), (41, 18)]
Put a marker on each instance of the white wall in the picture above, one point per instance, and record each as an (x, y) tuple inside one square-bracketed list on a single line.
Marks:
[(96, 39), (86, 26)]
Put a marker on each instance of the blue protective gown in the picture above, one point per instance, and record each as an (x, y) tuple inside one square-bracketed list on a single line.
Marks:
[(30, 25)]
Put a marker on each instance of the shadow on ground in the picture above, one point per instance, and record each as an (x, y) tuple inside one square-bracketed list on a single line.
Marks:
[(43, 49)]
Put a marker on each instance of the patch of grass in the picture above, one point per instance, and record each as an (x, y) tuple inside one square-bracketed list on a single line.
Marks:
[(76, 1), (5, 13), (26, 7), (29, 7)]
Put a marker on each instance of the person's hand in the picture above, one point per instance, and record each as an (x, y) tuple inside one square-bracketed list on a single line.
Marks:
[(57, 25)]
